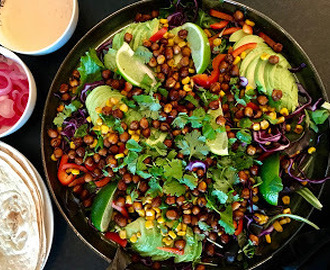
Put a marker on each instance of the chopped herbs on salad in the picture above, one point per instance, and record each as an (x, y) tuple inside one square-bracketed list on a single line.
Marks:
[(185, 136)]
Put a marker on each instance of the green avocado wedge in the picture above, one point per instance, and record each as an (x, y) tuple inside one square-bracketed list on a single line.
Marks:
[(102, 209)]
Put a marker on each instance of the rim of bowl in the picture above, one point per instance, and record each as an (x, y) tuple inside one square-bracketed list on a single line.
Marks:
[(32, 88), (71, 25)]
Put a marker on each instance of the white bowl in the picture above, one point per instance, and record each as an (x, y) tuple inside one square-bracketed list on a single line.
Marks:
[(61, 40), (32, 93)]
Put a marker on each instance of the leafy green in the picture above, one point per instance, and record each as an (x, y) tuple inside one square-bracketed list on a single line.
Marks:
[(295, 217), (81, 131), (310, 197), (174, 169), (67, 112), (190, 181), (112, 122), (226, 220), (148, 102), (174, 188), (204, 226), (133, 145), (143, 54), (244, 135), (220, 195), (90, 67), (192, 100), (317, 117), (204, 20), (155, 188), (193, 144), (245, 123)]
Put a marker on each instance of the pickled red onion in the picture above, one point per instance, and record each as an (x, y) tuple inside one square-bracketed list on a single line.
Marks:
[(7, 108), (5, 83)]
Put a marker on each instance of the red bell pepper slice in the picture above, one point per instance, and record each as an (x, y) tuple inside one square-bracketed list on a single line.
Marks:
[(102, 182), (205, 80), (158, 35), (230, 30), (172, 250), (120, 209), (221, 15), (62, 176), (243, 48), (239, 227), (252, 106), (116, 238), (219, 25), (267, 39), (74, 166)]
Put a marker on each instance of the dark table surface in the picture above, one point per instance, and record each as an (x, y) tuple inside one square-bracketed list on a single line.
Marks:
[(307, 21)]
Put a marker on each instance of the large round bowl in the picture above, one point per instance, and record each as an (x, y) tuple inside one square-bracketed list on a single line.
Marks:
[(66, 202)]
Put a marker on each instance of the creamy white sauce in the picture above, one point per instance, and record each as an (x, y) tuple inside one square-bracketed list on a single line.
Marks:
[(30, 25)]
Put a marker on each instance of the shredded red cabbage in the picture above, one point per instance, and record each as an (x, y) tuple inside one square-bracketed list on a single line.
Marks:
[(316, 105), (87, 87), (302, 91), (196, 164), (70, 126), (266, 231), (298, 68), (179, 17)]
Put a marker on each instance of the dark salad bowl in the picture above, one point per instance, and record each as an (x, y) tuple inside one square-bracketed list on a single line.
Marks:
[(68, 204)]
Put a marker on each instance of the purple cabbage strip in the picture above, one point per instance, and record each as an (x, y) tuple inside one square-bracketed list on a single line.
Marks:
[(196, 164), (303, 91), (298, 68), (315, 105), (179, 17), (70, 126), (278, 140), (89, 86), (266, 231), (244, 81), (303, 178), (301, 118)]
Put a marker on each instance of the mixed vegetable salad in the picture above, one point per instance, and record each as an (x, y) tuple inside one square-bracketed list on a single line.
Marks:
[(185, 135)]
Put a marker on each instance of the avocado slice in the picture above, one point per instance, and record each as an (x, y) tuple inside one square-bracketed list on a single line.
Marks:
[(98, 97), (256, 52), (260, 70), (110, 60), (248, 39), (236, 36)]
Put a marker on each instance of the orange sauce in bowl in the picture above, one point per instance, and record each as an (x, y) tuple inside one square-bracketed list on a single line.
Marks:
[(31, 25)]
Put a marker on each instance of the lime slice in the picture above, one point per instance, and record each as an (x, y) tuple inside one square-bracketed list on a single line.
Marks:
[(132, 69), (101, 208), (199, 45), (219, 145)]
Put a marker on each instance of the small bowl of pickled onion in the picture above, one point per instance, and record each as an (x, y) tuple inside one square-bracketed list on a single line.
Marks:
[(18, 92)]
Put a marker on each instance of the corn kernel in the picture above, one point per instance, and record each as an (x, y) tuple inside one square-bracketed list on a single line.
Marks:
[(149, 224), (179, 227), (287, 128), (237, 60), (98, 110), (177, 40), (163, 21), (288, 220), (133, 238), (256, 127), (99, 121), (280, 120), (182, 44), (130, 209), (286, 199), (311, 150), (157, 210), (123, 107), (251, 23), (277, 226), (168, 241), (171, 63), (135, 137), (138, 132), (89, 119), (243, 55), (126, 151), (141, 212), (123, 234), (160, 220), (286, 211), (284, 111), (166, 25), (108, 103), (298, 129), (261, 219), (272, 115), (72, 145), (118, 156), (217, 42), (265, 56), (186, 80), (53, 158), (187, 88), (131, 132), (207, 32), (264, 124), (181, 233), (172, 234), (104, 129), (222, 93), (184, 227), (114, 101), (138, 234), (191, 70), (283, 221), (75, 171), (268, 238), (187, 211), (128, 199), (150, 213), (248, 87)]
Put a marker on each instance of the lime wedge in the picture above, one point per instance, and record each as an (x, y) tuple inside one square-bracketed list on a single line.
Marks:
[(101, 208), (219, 145), (132, 69), (199, 45)]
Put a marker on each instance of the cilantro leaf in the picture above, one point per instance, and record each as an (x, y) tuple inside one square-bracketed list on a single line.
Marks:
[(190, 181), (155, 188), (226, 220), (147, 101), (181, 120), (174, 169), (81, 131), (220, 195), (131, 161), (173, 188), (244, 135), (192, 100), (319, 116), (132, 145), (67, 112), (143, 54), (204, 226), (245, 123), (193, 144)]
